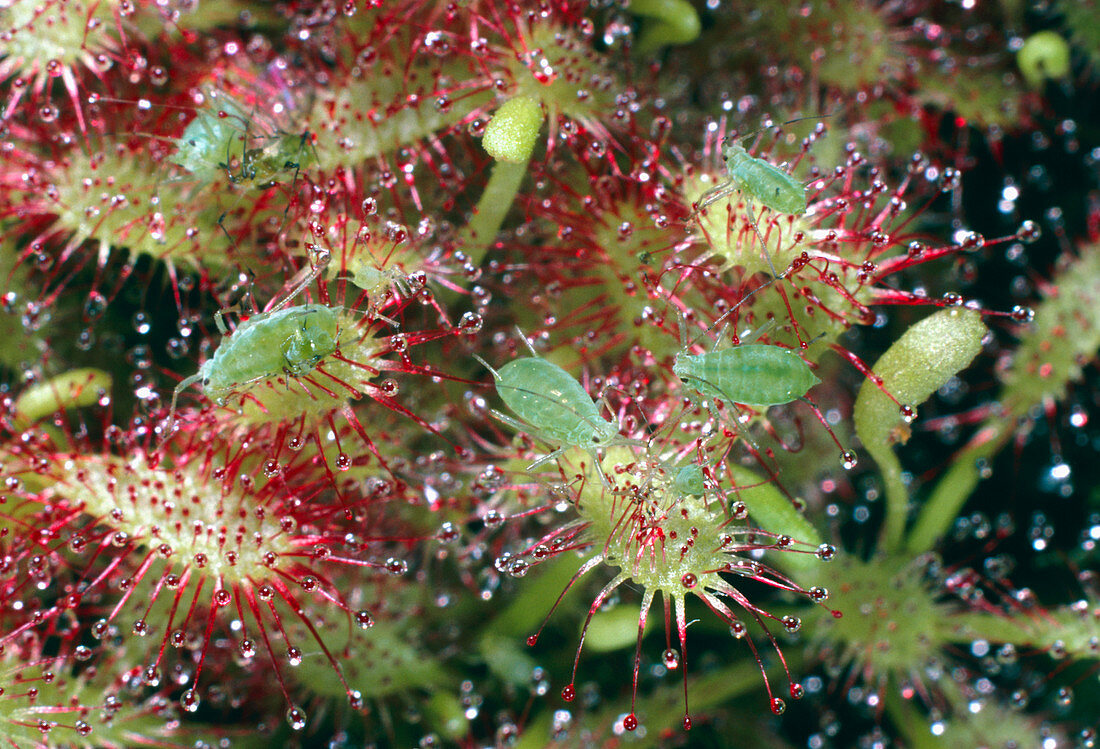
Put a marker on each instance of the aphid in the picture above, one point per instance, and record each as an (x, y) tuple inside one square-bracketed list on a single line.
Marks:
[(227, 143), (689, 480), (551, 404), (758, 181), (278, 341), (757, 375), (753, 374)]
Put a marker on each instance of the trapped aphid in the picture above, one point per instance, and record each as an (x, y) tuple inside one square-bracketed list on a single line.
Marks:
[(689, 480), (553, 406), (751, 374), (236, 149), (290, 341), (758, 181)]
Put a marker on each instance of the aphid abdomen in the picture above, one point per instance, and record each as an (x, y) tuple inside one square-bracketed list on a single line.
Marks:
[(291, 340), (545, 396), (767, 184), (752, 374), (689, 480)]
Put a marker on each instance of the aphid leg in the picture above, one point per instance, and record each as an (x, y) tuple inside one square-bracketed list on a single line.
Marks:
[(683, 321), (526, 342), (553, 455), (219, 318), (546, 458), (750, 209), (170, 422), (296, 165), (319, 258), (496, 375), (762, 330), (743, 431), (711, 196)]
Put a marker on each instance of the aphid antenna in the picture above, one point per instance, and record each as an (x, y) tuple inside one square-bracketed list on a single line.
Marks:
[(735, 136), (682, 319)]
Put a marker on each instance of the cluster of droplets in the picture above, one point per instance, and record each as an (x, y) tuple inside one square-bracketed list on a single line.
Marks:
[(463, 169)]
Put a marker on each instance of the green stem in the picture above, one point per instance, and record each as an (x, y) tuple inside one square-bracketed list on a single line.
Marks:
[(672, 22), (956, 485), (773, 512), (926, 356), (489, 215)]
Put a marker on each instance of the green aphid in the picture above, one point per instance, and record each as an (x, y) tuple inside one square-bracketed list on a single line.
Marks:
[(283, 341), (220, 141), (752, 374), (552, 406), (758, 181)]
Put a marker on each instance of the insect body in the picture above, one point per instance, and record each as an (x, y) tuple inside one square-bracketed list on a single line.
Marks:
[(546, 397), (756, 375), (753, 374), (291, 341), (758, 181), (220, 139), (763, 182), (549, 401), (689, 480), (284, 340)]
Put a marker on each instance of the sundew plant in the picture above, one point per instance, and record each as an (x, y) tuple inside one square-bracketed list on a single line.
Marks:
[(549, 374)]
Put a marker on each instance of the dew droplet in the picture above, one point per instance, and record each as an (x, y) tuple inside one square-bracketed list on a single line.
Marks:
[(1029, 232), (94, 306), (296, 717), (189, 701), (1022, 314), (471, 322), (848, 459), (671, 658)]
